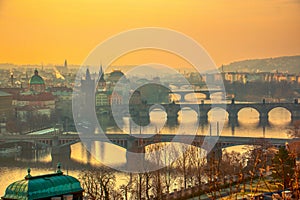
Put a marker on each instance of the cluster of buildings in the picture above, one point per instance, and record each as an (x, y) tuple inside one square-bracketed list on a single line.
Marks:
[(18, 76), (26, 96), (24, 105), (28, 103), (24, 109), (243, 77), (114, 88)]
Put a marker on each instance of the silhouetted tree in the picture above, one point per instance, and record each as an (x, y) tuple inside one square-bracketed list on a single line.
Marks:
[(284, 168), (99, 183)]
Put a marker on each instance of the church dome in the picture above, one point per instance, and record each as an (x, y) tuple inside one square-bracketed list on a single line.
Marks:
[(36, 79), (116, 75)]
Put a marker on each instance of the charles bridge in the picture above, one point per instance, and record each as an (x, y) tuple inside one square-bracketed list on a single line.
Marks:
[(202, 110)]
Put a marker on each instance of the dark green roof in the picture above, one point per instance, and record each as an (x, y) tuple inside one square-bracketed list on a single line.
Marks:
[(36, 80), (37, 187)]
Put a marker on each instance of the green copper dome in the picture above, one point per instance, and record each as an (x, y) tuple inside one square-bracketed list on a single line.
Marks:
[(45, 186), (36, 79)]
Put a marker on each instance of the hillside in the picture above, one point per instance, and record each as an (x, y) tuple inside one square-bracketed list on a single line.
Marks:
[(290, 64)]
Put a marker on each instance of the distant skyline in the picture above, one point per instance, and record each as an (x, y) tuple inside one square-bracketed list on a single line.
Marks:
[(35, 32)]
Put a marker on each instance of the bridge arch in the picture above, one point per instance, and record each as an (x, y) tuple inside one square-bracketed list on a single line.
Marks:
[(283, 116), (218, 95), (193, 107), (175, 97), (188, 113), (249, 106), (256, 111), (185, 86), (173, 86), (157, 107), (220, 111), (281, 106), (194, 97)]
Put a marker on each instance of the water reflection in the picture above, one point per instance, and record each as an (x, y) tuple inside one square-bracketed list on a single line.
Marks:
[(248, 124)]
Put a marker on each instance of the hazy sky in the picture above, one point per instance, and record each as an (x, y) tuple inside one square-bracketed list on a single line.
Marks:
[(49, 31)]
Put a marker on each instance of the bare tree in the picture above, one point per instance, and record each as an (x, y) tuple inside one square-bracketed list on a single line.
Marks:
[(184, 162), (99, 183), (213, 175)]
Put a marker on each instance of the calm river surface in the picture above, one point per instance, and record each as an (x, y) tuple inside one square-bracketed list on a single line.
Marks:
[(15, 168)]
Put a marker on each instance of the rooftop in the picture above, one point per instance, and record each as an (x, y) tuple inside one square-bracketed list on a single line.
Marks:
[(36, 79), (43, 186)]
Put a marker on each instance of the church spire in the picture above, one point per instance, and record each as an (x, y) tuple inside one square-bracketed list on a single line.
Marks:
[(66, 63), (87, 74), (101, 73), (101, 83)]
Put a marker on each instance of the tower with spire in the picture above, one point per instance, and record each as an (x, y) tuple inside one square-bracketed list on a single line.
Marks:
[(66, 64), (87, 84), (88, 88), (101, 83)]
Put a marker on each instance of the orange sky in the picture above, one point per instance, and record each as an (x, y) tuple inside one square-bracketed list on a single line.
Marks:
[(49, 31)]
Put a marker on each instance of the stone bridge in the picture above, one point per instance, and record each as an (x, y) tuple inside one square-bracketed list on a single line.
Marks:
[(202, 110), (232, 109), (136, 143), (183, 93)]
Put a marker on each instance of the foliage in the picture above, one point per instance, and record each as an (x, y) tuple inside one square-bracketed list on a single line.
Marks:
[(294, 131), (284, 164)]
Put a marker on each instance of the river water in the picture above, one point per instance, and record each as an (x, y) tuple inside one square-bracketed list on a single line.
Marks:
[(15, 168)]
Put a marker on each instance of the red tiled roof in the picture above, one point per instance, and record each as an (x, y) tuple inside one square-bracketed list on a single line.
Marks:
[(37, 97)]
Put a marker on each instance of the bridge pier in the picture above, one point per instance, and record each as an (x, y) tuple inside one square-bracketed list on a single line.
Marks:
[(233, 117), (172, 111), (295, 115), (172, 115), (182, 98), (172, 122), (61, 154), (203, 116), (207, 96), (203, 112), (232, 125), (263, 117)]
